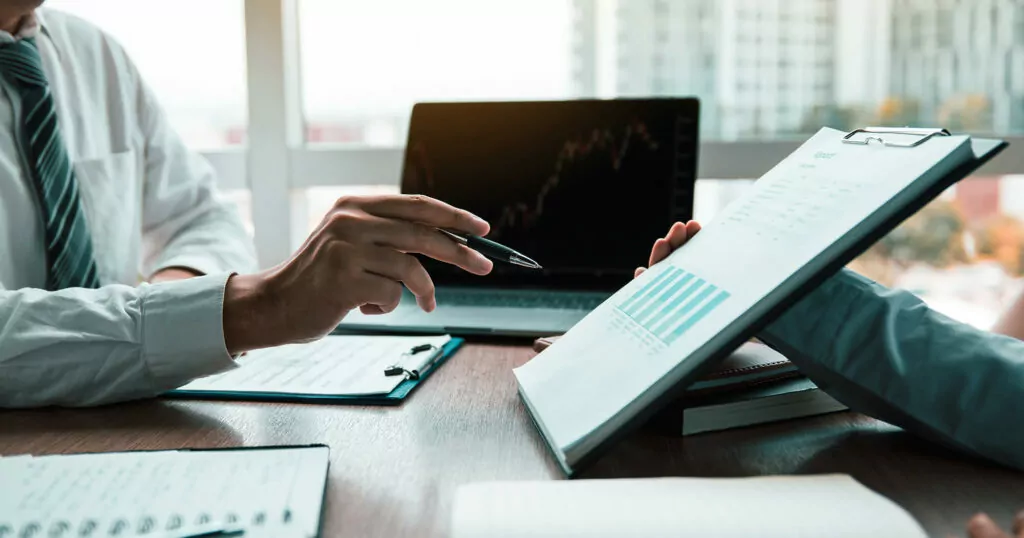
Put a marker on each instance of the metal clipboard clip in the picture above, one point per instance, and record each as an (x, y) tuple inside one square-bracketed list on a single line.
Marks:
[(415, 373), (874, 134)]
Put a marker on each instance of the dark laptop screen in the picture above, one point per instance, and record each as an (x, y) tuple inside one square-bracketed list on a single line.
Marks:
[(582, 187)]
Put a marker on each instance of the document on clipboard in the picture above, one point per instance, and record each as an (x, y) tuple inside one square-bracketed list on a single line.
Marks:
[(353, 369), (803, 220)]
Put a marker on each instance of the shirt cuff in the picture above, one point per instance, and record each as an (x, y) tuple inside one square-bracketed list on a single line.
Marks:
[(183, 329), (203, 265)]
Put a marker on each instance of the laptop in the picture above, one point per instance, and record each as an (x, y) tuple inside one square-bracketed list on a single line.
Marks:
[(583, 187)]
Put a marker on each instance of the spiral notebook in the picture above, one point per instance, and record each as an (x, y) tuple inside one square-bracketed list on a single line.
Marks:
[(271, 491)]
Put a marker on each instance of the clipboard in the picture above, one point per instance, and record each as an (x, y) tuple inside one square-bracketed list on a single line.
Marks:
[(413, 379), (890, 139)]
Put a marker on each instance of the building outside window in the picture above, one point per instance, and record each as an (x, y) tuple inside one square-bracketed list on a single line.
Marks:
[(766, 72)]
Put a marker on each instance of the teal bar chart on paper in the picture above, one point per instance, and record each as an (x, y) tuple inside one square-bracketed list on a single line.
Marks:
[(671, 303)]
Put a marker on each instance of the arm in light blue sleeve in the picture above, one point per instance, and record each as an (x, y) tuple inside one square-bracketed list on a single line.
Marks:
[(884, 353), (85, 347)]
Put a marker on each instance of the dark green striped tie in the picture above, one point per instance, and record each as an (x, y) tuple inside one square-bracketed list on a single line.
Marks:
[(68, 245)]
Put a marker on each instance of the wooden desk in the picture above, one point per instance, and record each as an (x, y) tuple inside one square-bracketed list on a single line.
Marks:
[(394, 470)]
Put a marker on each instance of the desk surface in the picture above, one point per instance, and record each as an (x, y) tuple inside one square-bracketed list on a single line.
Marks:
[(394, 470)]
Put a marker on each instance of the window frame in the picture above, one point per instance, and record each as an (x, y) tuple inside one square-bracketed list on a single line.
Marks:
[(278, 163)]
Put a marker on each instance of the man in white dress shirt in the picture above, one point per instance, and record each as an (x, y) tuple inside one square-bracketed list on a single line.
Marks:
[(122, 274)]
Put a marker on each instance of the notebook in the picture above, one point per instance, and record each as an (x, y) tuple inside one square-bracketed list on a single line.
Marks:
[(835, 506), (753, 385), (812, 213), (760, 403), (348, 369), (271, 491)]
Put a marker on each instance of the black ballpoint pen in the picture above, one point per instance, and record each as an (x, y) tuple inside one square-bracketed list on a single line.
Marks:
[(492, 250)]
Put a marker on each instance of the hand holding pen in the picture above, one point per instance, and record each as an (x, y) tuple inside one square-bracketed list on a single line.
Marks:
[(359, 257), (491, 249)]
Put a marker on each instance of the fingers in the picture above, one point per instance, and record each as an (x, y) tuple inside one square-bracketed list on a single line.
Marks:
[(677, 235), (692, 228), (372, 310), (425, 210), (982, 526), (376, 294), (639, 271), (660, 251), (417, 238), (1018, 524), (404, 268)]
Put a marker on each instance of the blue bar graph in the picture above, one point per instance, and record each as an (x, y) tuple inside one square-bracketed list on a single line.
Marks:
[(671, 315), (692, 320), (633, 305), (658, 303), (672, 303)]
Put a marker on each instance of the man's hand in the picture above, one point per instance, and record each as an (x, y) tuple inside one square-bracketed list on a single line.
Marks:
[(982, 526), (173, 273), (677, 236), (359, 257)]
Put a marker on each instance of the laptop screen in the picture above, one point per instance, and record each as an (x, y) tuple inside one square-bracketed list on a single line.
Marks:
[(582, 187)]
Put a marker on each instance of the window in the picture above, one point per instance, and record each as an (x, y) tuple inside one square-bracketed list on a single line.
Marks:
[(191, 52), (199, 81), (319, 200), (963, 253), (365, 64), (768, 73)]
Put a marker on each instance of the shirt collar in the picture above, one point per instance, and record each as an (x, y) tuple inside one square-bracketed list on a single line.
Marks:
[(31, 26)]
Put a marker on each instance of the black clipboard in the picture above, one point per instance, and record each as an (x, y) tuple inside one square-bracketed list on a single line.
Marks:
[(894, 140)]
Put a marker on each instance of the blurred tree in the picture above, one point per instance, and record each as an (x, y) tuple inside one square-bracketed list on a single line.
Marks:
[(971, 112), (898, 112), (933, 236), (844, 118), (1002, 239)]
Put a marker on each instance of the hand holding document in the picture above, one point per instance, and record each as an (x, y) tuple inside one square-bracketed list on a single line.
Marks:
[(809, 214)]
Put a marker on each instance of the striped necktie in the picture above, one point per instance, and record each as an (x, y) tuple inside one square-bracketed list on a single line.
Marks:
[(69, 251)]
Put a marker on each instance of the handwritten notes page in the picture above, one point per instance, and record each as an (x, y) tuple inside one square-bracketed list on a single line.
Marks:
[(662, 326), (149, 493)]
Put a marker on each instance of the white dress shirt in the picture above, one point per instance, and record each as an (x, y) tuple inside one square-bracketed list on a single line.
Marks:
[(150, 203)]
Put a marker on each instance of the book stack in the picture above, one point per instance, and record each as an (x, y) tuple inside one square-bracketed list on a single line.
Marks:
[(753, 385)]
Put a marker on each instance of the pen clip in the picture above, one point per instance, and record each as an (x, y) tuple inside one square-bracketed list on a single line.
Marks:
[(454, 236), (414, 373)]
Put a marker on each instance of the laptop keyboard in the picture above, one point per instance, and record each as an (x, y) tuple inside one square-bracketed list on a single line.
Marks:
[(520, 299)]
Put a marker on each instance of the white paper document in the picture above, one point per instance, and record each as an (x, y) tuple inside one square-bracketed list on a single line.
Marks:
[(835, 506), (334, 365), (659, 328), (155, 493)]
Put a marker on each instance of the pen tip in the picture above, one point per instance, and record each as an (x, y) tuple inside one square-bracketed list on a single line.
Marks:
[(523, 261)]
